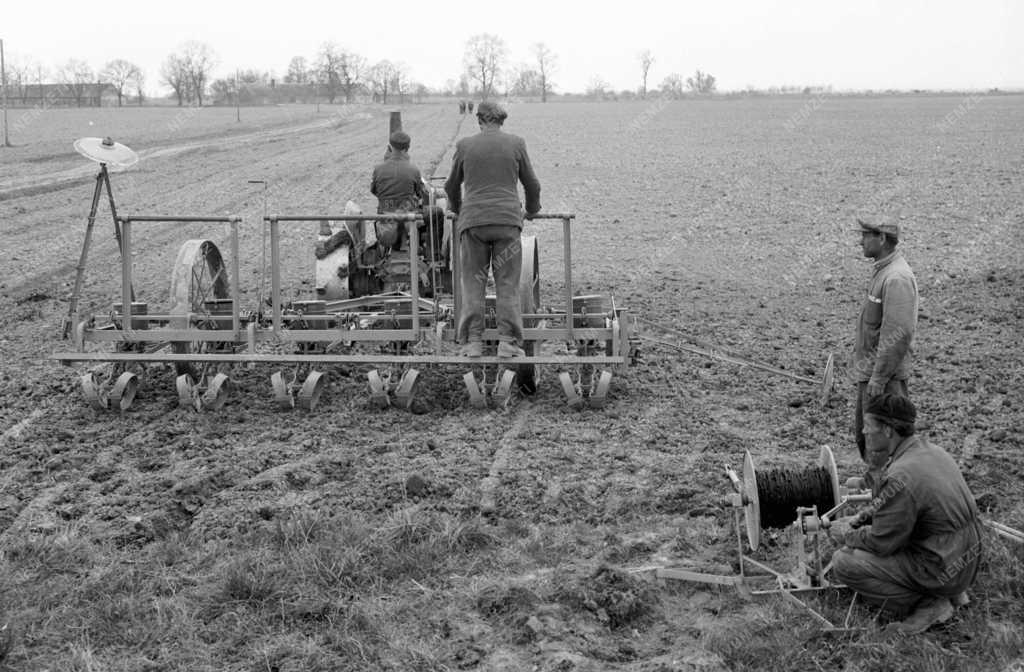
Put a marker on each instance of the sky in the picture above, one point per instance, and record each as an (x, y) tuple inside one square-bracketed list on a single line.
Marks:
[(851, 45)]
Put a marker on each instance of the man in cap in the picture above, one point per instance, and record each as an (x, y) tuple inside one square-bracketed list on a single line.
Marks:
[(921, 550), (885, 329), (488, 167), (398, 186)]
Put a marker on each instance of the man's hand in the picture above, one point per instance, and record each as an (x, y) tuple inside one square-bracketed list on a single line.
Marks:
[(855, 483), (838, 528), (529, 215), (864, 517), (875, 388)]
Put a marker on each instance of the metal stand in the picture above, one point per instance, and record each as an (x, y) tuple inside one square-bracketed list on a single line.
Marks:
[(102, 179), (809, 573)]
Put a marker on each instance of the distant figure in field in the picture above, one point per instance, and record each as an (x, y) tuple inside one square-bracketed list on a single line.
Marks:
[(462, 107), (885, 329), (398, 186), (921, 550), (490, 165), (469, 106)]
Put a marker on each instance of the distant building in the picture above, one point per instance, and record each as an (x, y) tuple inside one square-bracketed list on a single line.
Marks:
[(63, 95)]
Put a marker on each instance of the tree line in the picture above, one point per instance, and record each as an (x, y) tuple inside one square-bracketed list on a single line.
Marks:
[(337, 74)]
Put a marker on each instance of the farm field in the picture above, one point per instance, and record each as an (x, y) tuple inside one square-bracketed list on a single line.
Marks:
[(353, 538)]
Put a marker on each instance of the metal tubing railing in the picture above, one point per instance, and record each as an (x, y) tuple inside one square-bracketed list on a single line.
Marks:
[(125, 223), (275, 256), (566, 218)]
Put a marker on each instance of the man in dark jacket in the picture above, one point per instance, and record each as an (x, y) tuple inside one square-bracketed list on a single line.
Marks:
[(921, 551), (885, 328), (398, 186), (488, 167)]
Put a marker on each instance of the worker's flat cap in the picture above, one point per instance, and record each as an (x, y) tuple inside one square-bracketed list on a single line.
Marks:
[(879, 224), (489, 112)]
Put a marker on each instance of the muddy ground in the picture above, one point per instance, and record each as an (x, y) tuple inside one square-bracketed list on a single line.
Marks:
[(729, 221)]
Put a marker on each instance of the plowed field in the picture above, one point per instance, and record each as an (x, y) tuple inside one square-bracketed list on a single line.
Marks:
[(163, 539)]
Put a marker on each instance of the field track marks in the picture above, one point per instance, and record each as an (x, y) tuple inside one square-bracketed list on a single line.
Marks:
[(489, 486), (32, 186)]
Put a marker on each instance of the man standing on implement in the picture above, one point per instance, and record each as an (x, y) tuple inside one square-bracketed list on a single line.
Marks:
[(885, 330), (488, 167)]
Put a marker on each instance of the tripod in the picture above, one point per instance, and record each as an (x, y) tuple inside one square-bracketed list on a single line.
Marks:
[(102, 179)]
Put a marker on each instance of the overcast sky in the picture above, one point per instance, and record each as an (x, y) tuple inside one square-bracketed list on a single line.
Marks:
[(854, 44)]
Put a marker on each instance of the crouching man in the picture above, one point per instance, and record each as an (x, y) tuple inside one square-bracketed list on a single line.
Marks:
[(921, 550)]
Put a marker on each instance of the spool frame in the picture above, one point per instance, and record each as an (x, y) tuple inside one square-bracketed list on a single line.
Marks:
[(809, 574)]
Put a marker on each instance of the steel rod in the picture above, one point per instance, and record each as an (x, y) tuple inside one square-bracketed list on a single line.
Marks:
[(126, 275), (567, 256), (732, 359), (275, 273), (184, 220), (414, 272), (236, 291), (244, 357), (80, 269)]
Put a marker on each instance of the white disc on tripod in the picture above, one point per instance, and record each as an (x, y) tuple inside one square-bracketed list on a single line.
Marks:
[(105, 150)]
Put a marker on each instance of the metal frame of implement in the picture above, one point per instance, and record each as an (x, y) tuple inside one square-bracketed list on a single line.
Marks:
[(238, 335)]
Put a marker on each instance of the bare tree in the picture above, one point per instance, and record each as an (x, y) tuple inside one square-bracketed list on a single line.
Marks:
[(646, 59), (672, 86), (199, 59), (400, 81), (420, 90), (327, 68), (341, 71), (597, 88), (527, 82), (352, 71), (120, 74), (139, 85), (76, 75), (19, 74), (298, 71), (484, 58), (701, 82), (547, 63), (174, 73), (380, 77)]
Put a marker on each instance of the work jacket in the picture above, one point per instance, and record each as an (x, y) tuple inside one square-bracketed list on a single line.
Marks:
[(490, 165), (397, 184), (888, 320), (925, 509)]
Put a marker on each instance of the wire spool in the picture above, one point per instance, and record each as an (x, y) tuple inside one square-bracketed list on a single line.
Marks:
[(771, 498)]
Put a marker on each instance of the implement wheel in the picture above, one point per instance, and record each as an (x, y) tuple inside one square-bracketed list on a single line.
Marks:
[(312, 388), (378, 391), (600, 394), (123, 393), (199, 276), (186, 392), (405, 393), (282, 395), (505, 388), (93, 393), (476, 394), (216, 392)]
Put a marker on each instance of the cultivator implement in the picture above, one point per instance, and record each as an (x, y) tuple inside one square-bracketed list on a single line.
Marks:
[(204, 330)]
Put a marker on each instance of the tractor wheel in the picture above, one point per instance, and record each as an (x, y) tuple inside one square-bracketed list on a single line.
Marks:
[(529, 300), (199, 277)]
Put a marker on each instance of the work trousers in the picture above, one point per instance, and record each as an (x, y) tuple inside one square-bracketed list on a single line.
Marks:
[(899, 581), (496, 249)]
